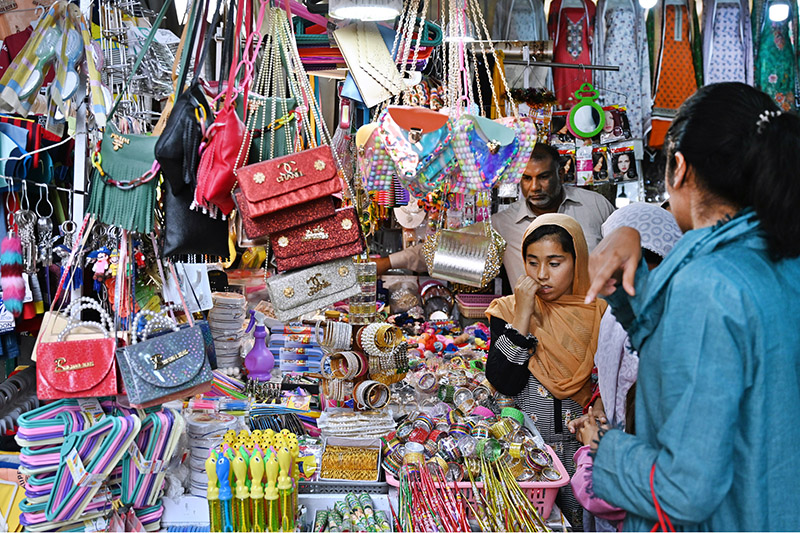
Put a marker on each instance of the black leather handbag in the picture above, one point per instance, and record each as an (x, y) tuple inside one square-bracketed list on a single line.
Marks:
[(188, 232), (177, 149)]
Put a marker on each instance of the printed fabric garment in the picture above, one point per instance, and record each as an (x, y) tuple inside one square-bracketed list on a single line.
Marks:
[(776, 71), (726, 56), (675, 77), (624, 86), (571, 30)]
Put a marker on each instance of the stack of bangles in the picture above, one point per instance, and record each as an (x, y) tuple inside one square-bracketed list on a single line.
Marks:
[(345, 365), (372, 394), (378, 339), (338, 335)]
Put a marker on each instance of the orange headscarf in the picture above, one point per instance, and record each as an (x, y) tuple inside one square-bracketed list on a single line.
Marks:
[(567, 329)]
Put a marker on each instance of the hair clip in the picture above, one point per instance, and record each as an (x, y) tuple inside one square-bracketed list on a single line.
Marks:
[(763, 119)]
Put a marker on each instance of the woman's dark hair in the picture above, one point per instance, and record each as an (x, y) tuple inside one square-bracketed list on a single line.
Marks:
[(744, 157), (630, 410), (561, 235)]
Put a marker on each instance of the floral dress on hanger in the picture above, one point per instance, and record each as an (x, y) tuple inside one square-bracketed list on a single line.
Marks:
[(776, 71), (620, 40), (728, 45), (571, 30), (676, 78)]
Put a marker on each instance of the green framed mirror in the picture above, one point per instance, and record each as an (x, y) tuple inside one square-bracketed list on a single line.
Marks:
[(586, 118)]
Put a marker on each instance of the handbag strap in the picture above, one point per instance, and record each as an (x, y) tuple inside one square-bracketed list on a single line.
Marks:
[(204, 52), (140, 57), (663, 520)]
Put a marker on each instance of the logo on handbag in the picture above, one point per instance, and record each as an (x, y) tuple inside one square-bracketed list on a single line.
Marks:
[(118, 141), (159, 362), (493, 146), (289, 173), (415, 135), (316, 234), (317, 283), (61, 367)]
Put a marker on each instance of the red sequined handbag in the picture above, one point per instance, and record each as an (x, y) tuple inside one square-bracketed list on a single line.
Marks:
[(79, 368), (320, 241), (288, 181)]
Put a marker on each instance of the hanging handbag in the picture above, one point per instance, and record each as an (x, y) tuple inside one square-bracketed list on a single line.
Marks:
[(188, 232), (78, 368), (484, 150), (260, 227), (302, 291), (526, 132), (282, 188), (325, 240), (376, 167), (471, 256), (215, 176), (123, 191), (289, 181), (166, 367), (178, 146), (418, 140)]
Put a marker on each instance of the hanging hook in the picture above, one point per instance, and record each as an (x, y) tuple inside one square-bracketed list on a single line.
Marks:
[(9, 212), (24, 203), (43, 195)]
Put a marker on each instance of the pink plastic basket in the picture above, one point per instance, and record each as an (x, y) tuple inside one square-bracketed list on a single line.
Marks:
[(474, 305), (542, 494)]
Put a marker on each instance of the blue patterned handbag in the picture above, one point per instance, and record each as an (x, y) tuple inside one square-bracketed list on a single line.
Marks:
[(164, 367)]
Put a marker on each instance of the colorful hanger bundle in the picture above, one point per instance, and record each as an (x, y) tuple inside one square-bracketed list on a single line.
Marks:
[(77, 457), (143, 468), (99, 449)]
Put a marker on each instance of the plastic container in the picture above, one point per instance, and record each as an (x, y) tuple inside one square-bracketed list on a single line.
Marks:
[(474, 305), (542, 494)]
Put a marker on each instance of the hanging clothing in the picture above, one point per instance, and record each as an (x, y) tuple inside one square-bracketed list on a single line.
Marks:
[(776, 71), (621, 39), (571, 29), (676, 69), (522, 20), (727, 41)]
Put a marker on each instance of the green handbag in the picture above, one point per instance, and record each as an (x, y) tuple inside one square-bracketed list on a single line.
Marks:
[(124, 185)]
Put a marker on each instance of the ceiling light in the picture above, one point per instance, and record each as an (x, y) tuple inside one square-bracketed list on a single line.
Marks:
[(367, 10), (778, 11), (647, 4)]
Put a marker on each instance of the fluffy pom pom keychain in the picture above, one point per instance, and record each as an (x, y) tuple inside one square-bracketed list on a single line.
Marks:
[(11, 272)]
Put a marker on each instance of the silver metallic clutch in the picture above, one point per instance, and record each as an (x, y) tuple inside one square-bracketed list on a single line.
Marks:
[(471, 256), (302, 291)]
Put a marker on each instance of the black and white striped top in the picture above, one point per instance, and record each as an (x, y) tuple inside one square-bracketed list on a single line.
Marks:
[(507, 370)]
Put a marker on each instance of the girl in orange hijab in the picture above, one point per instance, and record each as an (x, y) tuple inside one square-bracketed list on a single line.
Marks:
[(544, 337)]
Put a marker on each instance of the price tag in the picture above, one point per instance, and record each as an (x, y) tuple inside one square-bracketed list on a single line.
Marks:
[(142, 465), (79, 473), (92, 407)]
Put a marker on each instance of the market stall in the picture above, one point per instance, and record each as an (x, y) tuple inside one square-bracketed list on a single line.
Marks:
[(249, 248)]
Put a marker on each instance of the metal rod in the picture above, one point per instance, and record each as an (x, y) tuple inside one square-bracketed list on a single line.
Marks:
[(549, 64), (49, 185)]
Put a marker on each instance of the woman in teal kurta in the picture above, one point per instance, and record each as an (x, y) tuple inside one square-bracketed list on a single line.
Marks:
[(717, 327)]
